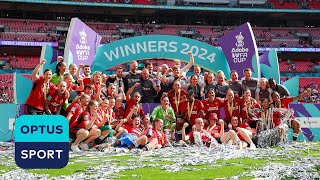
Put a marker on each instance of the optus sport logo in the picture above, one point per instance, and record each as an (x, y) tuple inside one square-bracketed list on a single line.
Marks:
[(42, 141)]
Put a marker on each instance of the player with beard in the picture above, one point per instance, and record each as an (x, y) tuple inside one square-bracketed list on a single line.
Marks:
[(118, 81), (86, 77), (56, 99), (132, 78), (149, 87), (234, 84), (248, 82), (221, 86)]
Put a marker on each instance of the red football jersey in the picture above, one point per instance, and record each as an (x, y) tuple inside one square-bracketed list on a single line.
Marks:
[(36, 97)]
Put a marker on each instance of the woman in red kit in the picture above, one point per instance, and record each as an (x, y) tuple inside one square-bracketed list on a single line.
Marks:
[(158, 139), (75, 109), (134, 102), (284, 103), (57, 98), (205, 136), (246, 108), (96, 81), (35, 103), (217, 130), (212, 104), (243, 131), (231, 106), (176, 96), (268, 120), (67, 77), (83, 127), (191, 109)]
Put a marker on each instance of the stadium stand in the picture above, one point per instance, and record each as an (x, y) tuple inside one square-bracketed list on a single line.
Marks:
[(6, 88)]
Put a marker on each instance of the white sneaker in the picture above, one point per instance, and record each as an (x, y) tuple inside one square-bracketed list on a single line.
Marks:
[(230, 143), (75, 148), (252, 146), (84, 147)]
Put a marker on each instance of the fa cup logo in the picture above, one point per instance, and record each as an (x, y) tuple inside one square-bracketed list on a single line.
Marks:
[(240, 39), (83, 37)]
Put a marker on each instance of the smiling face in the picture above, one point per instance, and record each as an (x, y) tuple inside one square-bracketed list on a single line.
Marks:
[(62, 68), (86, 71), (136, 122), (247, 74), (265, 103), (230, 95), (47, 75), (234, 76), (72, 69), (97, 78), (133, 66), (197, 70), (211, 94), (136, 97), (210, 78), (234, 121), (158, 124), (247, 94), (194, 80), (62, 86), (112, 103), (275, 97), (220, 79), (94, 107), (165, 102), (177, 86), (199, 124)]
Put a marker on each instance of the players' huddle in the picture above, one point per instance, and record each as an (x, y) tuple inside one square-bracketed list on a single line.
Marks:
[(106, 111)]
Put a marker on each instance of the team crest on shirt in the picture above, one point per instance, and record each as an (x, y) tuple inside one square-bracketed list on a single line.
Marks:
[(73, 109), (49, 98), (86, 117)]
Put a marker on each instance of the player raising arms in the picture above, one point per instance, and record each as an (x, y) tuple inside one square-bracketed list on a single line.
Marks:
[(35, 103)]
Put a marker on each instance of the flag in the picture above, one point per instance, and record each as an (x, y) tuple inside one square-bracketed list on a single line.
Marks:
[(269, 65), (240, 49), (81, 44)]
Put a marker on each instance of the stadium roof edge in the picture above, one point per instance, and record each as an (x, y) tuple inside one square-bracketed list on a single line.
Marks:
[(189, 8)]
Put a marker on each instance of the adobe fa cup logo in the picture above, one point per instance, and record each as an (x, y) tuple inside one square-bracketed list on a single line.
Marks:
[(83, 37), (240, 39)]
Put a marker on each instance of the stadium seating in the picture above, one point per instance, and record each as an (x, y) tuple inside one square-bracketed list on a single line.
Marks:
[(284, 4), (6, 88), (296, 66), (24, 62), (45, 31)]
